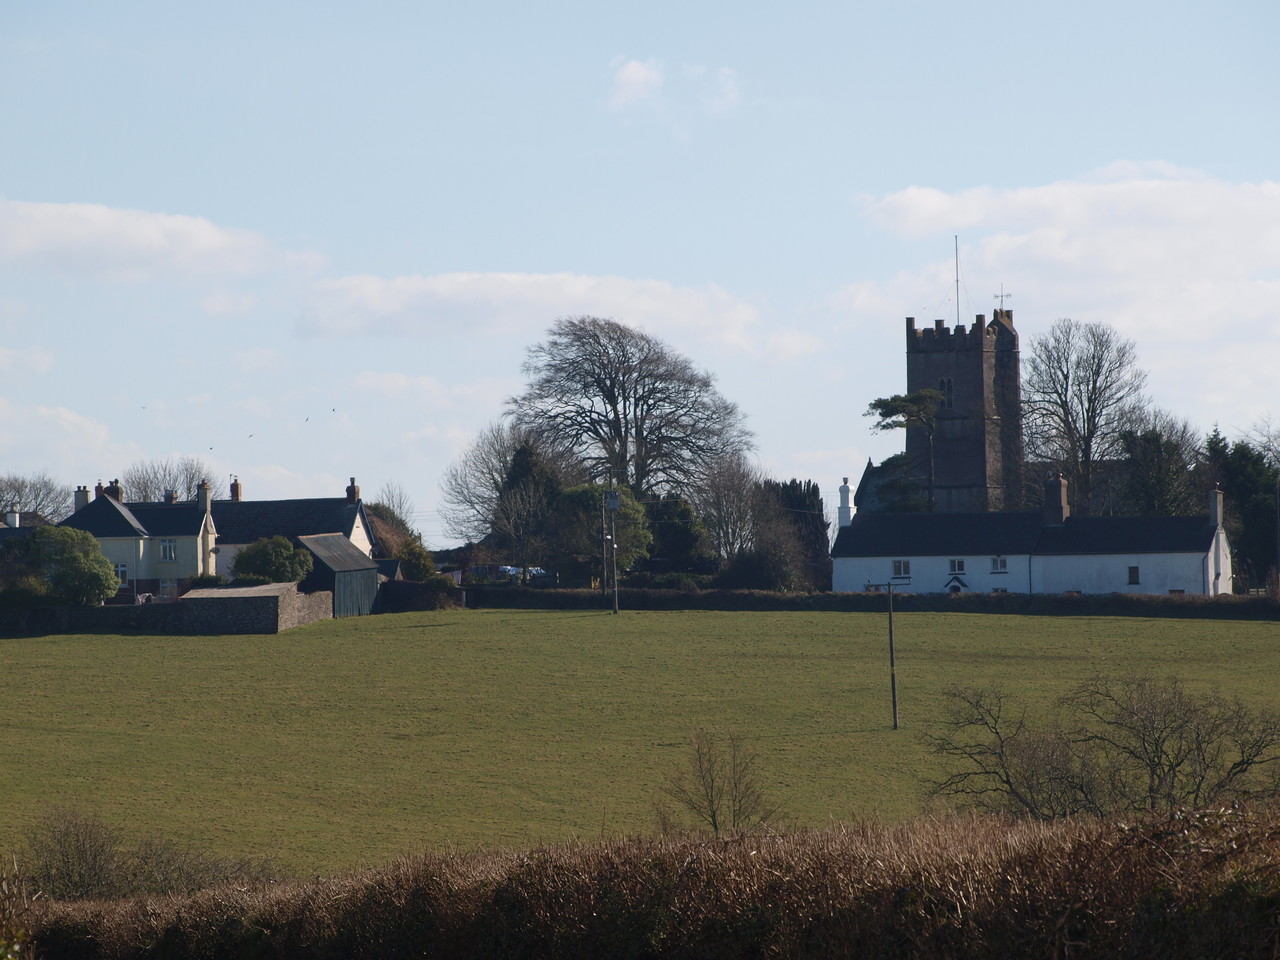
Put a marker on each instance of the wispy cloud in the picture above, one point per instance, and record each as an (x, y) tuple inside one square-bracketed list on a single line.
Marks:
[(634, 81), (25, 360), (1184, 264), (130, 245), (498, 303), (690, 91)]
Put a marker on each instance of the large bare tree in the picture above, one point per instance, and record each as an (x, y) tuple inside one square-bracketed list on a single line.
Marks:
[(474, 484), (631, 406), (146, 481), (1082, 389), (36, 493)]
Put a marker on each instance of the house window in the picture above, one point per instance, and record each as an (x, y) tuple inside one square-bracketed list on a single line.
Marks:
[(169, 589), (122, 572), (999, 564), (902, 568), (957, 566), (168, 549), (1133, 575)]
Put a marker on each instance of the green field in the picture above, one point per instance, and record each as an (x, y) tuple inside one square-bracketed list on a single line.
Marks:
[(350, 742)]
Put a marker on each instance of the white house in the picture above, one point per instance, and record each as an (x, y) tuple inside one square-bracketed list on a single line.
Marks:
[(1043, 552)]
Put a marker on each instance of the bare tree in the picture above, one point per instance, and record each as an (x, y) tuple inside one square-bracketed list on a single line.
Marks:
[(37, 493), (728, 497), (628, 404), (473, 484), (147, 481), (1161, 452), (721, 785), (394, 506), (1081, 390), (1122, 746), (1265, 435)]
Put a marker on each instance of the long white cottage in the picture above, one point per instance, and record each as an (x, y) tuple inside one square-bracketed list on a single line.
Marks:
[(1048, 551)]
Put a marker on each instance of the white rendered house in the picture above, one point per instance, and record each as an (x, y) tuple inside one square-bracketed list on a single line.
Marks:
[(1032, 552)]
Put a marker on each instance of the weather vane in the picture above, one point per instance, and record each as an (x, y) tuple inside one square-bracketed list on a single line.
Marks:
[(1001, 296)]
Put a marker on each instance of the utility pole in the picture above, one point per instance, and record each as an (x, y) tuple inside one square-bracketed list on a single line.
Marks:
[(893, 667), (613, 535)]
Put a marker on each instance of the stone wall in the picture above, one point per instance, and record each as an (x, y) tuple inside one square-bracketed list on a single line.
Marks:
[(228, 610)]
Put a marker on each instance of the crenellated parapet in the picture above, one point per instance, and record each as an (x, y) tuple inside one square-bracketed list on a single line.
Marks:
[(981, 335)]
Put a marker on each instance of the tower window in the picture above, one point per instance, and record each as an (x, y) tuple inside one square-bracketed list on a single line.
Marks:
[(947, 387)]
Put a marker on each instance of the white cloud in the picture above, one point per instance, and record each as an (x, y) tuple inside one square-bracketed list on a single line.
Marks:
[(635, 81), (495, 304), (1186, 265), (432, 393), (130, 245), (720, 92), (26, 360)]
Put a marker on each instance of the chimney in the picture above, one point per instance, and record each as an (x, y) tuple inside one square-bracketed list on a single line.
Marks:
[(115, 491), (353, 492), (1215, 505), (236, 490), (12, 516), (204, 496), (82, 497), (98, 490), (1056, 509), (171, 496), (845, 515)]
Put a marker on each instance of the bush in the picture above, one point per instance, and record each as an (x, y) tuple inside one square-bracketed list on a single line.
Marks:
[(205, 581), (274, 558), (70, 855)]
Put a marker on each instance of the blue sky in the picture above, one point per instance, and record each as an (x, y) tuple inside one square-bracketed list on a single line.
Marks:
[(310, 241)]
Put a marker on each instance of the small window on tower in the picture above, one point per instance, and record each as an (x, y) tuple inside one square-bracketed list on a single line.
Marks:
[(947, 387), (1133, 575)]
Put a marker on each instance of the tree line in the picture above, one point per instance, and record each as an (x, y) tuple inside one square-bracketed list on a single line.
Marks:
[(620, 447)]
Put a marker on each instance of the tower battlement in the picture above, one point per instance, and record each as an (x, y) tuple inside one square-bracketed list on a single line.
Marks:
[(940, 337)]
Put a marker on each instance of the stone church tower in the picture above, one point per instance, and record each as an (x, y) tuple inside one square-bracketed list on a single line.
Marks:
[(977, 442)]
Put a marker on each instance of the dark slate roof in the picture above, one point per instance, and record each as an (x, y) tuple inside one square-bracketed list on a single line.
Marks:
[(103, 517), (337, 553), (1012, 534), (937, 534), (244, 521), (1084, 535), (389, 567)]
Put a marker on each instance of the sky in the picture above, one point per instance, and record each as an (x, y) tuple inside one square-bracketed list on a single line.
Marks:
[(309, 241)]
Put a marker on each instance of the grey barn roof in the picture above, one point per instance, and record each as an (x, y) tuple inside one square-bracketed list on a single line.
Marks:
[(337, 552), (1014, 534)]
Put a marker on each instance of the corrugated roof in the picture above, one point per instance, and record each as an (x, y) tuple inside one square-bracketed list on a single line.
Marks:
[(337, 552)]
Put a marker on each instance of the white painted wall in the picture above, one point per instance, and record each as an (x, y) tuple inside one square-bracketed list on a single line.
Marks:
[(930, 574)]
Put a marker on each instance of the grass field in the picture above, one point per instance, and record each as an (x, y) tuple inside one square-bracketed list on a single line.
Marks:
[(350, 742)]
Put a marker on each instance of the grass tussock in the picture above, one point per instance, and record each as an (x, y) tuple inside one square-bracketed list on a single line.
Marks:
[(1190, 885)]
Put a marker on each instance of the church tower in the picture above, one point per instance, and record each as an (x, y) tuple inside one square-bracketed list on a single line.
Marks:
[(977, 441)]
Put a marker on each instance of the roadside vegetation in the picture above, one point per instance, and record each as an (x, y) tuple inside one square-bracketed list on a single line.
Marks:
[(1189, 885)]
